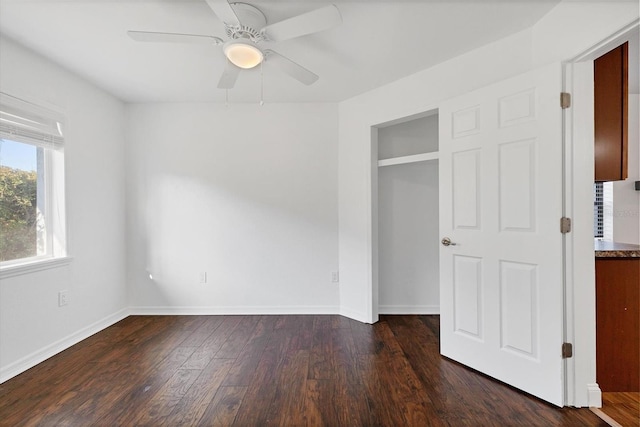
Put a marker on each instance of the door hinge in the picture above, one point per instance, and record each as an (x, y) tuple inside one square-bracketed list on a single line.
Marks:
[(565, 225), (565, 100), (567, 350)]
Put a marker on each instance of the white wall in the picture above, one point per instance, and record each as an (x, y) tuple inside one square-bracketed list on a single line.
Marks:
[(32, 326), (408, 248), (573, 27), (247, 194), (416, 136)]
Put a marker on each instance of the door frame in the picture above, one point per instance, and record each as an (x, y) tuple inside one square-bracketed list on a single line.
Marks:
[(374, 312), (580, 326)]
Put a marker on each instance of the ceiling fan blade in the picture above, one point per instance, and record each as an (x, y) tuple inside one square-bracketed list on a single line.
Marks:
[(149, 36), (223, 10), (229, 76), (307, 23), (296, 71)]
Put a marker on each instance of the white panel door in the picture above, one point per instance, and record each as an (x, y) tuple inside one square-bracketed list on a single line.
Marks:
[(501, 293)]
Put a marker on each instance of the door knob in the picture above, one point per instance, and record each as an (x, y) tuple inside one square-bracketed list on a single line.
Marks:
[(447, 242)]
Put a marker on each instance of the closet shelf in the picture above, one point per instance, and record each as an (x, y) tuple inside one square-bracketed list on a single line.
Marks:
[(408, 159)]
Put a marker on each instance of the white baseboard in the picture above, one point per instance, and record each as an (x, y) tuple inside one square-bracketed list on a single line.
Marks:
[(222, 310), (595, 395), (38, 356), (355, 315), (409, 309)]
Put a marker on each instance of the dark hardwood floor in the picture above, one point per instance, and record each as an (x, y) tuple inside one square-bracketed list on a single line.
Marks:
[(268, 370)]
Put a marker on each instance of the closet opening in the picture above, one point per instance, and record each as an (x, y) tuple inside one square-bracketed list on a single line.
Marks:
[(406, 223)]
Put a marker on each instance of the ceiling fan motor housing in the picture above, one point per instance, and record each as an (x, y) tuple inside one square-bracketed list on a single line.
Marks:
[(252, 20)]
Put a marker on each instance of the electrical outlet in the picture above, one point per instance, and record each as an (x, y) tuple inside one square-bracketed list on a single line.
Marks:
[(63, 298), (203, 277), (335, 277)]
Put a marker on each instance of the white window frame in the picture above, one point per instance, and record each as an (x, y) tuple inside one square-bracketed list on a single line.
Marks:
[(30, 123), (607, 211)]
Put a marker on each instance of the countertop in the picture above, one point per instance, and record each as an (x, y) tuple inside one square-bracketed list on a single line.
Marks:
[(616, 250)]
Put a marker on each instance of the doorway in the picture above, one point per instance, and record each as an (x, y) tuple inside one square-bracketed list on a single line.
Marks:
[(408, 250), (579, 176)]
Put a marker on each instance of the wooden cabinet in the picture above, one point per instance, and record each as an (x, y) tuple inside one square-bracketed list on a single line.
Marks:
[(611, 114), (618, 324)]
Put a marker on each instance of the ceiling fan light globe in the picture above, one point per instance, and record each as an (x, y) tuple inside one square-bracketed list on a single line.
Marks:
[(243, 53)]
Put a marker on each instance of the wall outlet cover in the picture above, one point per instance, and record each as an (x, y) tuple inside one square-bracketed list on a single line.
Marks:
[(63, 298), (203, 277)]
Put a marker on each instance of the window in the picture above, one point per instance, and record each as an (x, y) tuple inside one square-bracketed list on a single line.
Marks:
[(598, 210), (607, 211), (32, 225), (603, 210)]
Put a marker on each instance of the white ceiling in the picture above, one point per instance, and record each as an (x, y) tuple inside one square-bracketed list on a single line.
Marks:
[(378, 42)]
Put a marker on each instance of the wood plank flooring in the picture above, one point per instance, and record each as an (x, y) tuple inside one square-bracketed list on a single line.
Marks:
[(264, 371), (621, 407)]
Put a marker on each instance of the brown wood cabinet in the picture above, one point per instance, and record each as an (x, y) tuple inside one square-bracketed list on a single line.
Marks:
[(618, 324), (611, 114)]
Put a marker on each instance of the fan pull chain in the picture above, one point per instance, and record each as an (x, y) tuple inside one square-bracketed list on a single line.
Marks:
[(226, 97), (261, 86)]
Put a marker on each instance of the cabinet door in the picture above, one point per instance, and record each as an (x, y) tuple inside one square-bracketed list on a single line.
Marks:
[(610, 110), (618, 324)]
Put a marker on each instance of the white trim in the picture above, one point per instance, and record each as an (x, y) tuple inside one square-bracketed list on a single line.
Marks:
[(569, 365), (609, 43), (50, 350), (579, 255), (409, 159), (230, 310), (372, 291), (409, 309), (594, 396), (33, 266), (355, 315)]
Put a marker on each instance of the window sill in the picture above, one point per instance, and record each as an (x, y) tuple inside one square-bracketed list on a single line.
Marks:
[(33, 266)]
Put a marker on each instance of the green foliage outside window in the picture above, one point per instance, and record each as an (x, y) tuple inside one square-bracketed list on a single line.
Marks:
[(18, 214)]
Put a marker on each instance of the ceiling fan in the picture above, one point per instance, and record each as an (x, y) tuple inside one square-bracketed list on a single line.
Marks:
[(246, 27)]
